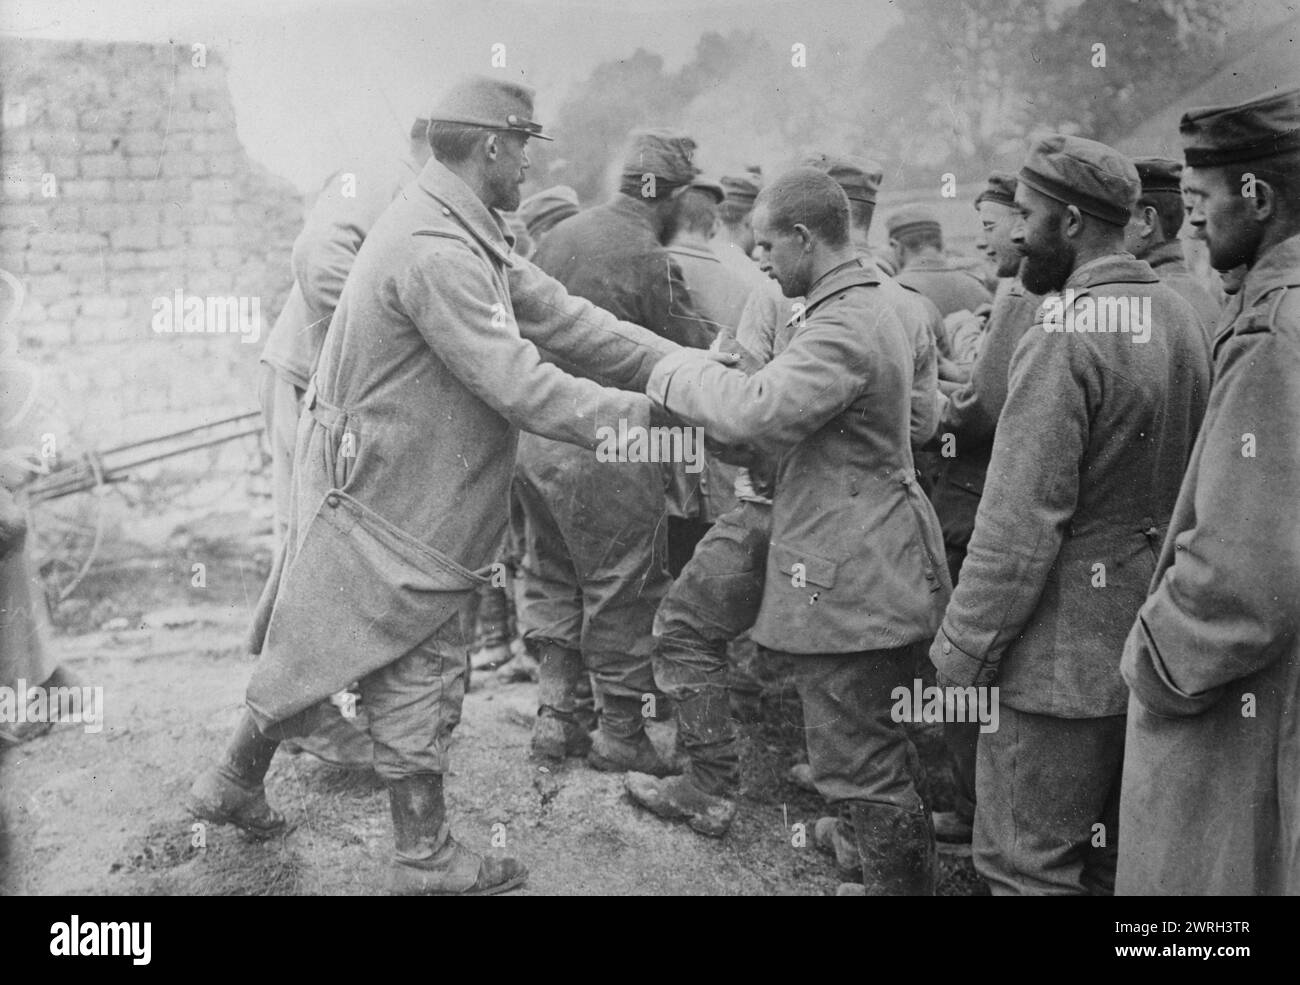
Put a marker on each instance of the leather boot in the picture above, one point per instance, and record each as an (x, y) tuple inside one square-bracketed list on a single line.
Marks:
[(558, 732), (492, 629), (232, 792), (834, 836), (678, 798), (897, 849), (428, 861), (621, 744)]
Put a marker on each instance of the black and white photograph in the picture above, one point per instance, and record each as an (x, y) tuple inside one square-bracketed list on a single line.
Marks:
[(656, 448)]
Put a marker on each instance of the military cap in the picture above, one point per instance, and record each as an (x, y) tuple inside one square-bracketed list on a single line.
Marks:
[(1001, 189), (495, 104), (739, 189), (547, 207), (911, 219), (859, 177), (1249, 131), (1092, 177), (666, 154), (711, 186), (1159, 174)]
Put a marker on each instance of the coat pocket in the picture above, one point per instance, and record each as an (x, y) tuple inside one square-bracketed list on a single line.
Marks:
[(803, 567), (357, 595)]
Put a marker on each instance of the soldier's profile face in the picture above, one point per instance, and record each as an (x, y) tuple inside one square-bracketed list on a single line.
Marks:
[(997, 224), (781, 254), (1219, 214), (509, 170), (1048, 257)]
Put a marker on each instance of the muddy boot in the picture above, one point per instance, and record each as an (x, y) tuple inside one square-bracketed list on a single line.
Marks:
[(558, 732), (493, 629), (428, 861), (834, 836), (677, 798), (621, 744), (232, 792), (586, 714), (951, 828), (897, 850)]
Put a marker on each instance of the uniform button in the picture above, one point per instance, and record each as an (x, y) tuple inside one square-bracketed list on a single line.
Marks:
[(331, 501), (947, 647), (446, 211)]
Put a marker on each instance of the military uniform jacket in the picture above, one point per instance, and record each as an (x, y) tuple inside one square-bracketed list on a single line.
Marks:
[(1090, 448), (432, 364), (1211, 795), (1170, 265), (856, 558), (347, 207)]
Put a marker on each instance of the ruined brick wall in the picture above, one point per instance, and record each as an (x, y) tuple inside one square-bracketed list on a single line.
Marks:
[(124, 182)]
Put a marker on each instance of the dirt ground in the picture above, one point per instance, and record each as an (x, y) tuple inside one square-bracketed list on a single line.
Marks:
[(91, 814)]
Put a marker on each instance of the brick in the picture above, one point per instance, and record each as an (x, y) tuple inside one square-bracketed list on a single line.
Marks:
[(177, 164), (20, 189), (210, 100), (67, 242), (61, 118), (55, 332), (64, 168), (97, 143), (213, 190), (217, 142), (14, 142), (142, 143), (33, 217), (143, 167), (140, 237), (65, 309), (212, 236), (225, 165), (81, 263), (171, 235), (105, 307), (59, 142), (99, 189), (130, 189), (105, 218), (155, 259), (51, 287), (38, 263), (102, 120), (103, 166)]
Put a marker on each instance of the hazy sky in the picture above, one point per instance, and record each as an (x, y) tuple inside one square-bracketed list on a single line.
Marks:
[(314, 79)]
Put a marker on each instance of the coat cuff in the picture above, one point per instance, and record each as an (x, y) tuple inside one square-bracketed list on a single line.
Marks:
[(656, 387), (958, 666), (1150, 681)]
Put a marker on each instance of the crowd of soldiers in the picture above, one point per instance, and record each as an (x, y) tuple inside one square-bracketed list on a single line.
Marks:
[(1067, 474)]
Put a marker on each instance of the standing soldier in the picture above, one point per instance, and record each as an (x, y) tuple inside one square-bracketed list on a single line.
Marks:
[(967, 423), (1211, 802), (854, 575), (595, 540), (1096, 430), (405, 451), (344, 212), (1152, 235)]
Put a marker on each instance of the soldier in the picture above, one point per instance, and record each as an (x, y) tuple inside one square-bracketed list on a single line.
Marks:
[(1152, 235), (1098, 423), (405, 451), (854, 575), (1210, 801), (720, 295), (594, 532), (345, 210), (916, 241), (968, 420), (735, 240), (543, 211)]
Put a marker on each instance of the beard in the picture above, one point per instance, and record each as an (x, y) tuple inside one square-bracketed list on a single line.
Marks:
[(1046, 271), (1007, 262)]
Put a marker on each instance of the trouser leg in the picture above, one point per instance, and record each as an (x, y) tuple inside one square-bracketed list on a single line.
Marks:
[(1047, 793), (864, 760), (714, 600), (414, 703)]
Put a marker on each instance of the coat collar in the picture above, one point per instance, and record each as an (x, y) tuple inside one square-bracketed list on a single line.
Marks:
[(1114, 268), (1279, 267), (854, 273), (461, 204), (1170, 255)]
